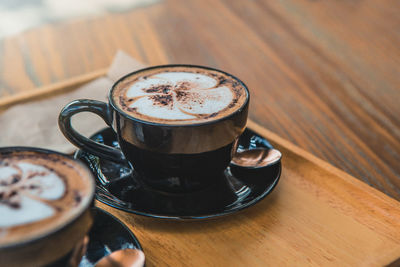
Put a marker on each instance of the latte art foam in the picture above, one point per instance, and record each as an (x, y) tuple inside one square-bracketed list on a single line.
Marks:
[(39, 192), (22, 186), (179, 95)]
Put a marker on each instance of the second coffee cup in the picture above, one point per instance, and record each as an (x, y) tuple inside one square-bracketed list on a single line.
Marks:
[(176, 124), (45, 207)]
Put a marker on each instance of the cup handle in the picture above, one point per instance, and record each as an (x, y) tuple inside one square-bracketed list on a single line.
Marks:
[(97, 107)]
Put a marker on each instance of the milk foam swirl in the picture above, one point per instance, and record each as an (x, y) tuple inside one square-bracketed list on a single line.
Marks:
[(40, 191), (180, 95), (24, 190)]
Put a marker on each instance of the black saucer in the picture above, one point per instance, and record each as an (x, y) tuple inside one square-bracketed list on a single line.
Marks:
[(108, 234), (118, 186)]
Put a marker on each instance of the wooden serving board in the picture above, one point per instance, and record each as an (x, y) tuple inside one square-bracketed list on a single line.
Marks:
[(318, 215)]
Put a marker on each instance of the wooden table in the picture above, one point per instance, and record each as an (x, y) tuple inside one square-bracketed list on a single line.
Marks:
[(324, 75)]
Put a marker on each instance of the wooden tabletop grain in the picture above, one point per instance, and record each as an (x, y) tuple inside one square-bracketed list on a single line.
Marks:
[(323, 74)]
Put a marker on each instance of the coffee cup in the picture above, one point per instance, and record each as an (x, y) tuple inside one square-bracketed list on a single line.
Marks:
[(45, 201), (177, 125)]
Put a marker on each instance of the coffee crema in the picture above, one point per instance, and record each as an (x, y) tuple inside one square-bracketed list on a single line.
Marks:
[(39, 194), (179, 95)]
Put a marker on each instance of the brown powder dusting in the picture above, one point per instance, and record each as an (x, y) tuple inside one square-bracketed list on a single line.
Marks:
[(184, 86), (14, 205), (131, 109), (77, 196), (162, 100), (122, 101), (188, 97), (15, 178), (221, 81), (182, 96), (231, 105), (161, 89)]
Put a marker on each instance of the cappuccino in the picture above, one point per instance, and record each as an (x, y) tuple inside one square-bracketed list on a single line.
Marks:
[(179, 95), (40, 194), (176, 124)]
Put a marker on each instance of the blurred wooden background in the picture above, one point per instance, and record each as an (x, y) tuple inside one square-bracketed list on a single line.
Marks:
[(323, 74)]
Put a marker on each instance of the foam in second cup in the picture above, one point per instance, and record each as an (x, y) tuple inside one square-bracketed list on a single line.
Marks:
[(40, 193)]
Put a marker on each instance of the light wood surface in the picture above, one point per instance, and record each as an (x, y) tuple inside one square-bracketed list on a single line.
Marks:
[(52, 89), (323, 74), (317, 216)]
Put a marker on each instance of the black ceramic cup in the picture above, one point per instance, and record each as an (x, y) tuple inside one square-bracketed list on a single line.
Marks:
[(57, 238), (174, 158)]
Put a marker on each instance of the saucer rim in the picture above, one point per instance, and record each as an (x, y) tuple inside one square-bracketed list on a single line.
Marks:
[(116, 219), (268, 189), (260, 197), (134, 240)]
